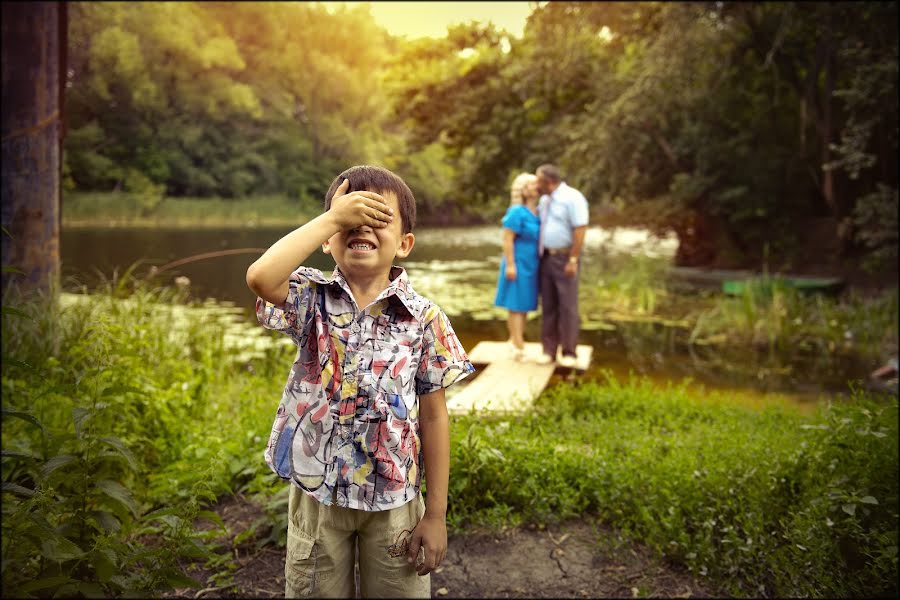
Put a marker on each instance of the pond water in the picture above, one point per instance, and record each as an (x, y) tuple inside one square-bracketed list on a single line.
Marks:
[(458, 269)]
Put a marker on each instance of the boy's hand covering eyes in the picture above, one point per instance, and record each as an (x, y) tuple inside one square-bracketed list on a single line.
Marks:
[(359, 208)]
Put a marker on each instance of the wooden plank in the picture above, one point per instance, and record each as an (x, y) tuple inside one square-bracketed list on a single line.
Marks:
[(506, 385), (503, 386), (485, 353)]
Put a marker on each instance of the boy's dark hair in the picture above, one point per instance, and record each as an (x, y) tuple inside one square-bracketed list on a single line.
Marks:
[(549, 171), (379, 180)]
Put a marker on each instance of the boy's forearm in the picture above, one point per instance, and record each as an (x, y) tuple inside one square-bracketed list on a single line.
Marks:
[(434, 428), (268, 276)]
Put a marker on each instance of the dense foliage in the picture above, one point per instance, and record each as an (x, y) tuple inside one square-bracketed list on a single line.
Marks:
[(127, 414), (745, 127)]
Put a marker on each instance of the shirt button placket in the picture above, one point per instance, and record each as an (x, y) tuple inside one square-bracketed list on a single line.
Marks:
[(350, 387)]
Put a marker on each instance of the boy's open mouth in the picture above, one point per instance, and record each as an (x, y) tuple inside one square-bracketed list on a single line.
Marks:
[(361, 245)]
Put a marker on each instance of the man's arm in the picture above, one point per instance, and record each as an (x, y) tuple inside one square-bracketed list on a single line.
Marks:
[(575, 253), (268, 276), (431, 532)]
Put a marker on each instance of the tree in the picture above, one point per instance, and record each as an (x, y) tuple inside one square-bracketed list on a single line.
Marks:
[(34, 42)]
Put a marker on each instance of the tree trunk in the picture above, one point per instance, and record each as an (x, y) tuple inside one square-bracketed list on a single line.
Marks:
[(33, 83)]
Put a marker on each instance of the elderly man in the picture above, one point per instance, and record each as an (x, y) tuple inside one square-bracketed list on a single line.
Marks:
[(564, 218)]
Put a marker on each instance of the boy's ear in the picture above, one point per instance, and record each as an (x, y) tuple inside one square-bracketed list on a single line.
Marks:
[(326, 246), (406, 245)]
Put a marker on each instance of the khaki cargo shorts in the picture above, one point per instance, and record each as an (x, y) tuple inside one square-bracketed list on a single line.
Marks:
[(321, 551)]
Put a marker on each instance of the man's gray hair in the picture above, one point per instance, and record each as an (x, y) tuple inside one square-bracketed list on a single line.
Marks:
[(549, 171)]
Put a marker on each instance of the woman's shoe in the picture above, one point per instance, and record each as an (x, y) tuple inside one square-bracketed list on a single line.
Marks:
[(517, 354)]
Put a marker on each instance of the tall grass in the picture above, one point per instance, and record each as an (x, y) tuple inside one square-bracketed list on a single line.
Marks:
[(768, 315), (124, 417), (763, 503), (771, 315)]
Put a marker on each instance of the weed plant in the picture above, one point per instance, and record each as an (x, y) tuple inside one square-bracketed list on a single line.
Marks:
[(124, 417), (763, 503)]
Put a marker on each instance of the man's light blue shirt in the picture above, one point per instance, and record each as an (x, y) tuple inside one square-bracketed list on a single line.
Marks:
[(561, 212)]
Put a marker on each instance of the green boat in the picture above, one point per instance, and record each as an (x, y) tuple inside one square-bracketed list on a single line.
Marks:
[(821, 285)]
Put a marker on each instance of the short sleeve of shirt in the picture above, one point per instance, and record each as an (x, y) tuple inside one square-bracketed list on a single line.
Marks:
[(443, 361), (513, 219), (578, 210), (289, 318)]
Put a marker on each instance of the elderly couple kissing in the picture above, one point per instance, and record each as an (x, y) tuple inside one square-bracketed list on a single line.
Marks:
[(543, 237)]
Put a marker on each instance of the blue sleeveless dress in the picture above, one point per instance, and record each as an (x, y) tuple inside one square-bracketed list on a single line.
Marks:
[(520, 295)]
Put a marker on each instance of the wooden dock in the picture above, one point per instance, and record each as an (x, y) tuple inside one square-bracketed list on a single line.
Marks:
[(503, 384)]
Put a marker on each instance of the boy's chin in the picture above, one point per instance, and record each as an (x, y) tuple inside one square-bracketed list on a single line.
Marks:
[(363, 266)]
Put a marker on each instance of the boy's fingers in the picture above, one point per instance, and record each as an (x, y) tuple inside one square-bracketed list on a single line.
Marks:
[(342, 189), (379, 211), (372, 195), (429, 563), (414, 545)]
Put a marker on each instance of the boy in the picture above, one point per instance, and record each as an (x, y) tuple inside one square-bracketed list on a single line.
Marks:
[(363, 411)]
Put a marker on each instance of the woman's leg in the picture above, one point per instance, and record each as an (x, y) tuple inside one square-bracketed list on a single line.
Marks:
[(516, 324)]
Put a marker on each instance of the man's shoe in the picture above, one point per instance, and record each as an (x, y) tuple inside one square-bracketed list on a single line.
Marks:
[(543, 359), (567, 361)]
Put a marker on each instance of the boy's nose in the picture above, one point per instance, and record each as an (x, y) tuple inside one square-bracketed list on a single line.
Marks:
[(361, 229)]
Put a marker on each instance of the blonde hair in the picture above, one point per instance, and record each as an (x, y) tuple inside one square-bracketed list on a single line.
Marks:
[(518, 184)]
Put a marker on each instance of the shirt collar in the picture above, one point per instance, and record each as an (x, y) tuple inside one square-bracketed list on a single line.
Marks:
[(562, 184), (400, 287)]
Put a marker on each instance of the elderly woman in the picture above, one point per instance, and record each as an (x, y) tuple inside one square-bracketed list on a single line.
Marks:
[(517, 285)]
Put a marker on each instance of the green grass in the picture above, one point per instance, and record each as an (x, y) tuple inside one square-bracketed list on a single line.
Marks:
[(134, 210), (762, 502), (127, 413)]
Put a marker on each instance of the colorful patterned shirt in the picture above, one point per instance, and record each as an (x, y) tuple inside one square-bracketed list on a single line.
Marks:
[(347, 428)]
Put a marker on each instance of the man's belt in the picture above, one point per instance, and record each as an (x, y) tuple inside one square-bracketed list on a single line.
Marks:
[(556, 251)]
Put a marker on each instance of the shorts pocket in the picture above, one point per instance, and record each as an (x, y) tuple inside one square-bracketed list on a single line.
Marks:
[(300, 564)]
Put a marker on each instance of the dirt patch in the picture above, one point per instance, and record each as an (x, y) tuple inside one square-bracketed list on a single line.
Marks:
[(574, 560)]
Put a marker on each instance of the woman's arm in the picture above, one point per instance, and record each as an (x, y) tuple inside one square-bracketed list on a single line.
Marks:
[(509, 237)]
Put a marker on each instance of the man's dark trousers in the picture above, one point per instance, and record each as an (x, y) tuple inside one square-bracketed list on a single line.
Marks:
[(559, 306)]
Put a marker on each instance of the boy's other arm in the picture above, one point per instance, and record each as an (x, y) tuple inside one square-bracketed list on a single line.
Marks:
[(431, 532), (268, 276)]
